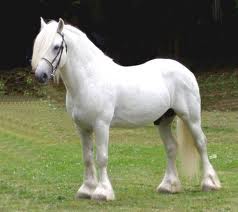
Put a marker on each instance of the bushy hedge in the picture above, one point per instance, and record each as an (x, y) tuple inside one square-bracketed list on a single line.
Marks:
[(20, 81)]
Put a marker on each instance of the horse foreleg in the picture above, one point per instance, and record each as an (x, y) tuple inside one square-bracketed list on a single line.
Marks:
[(90, 180), (104, 190), (170, 182)]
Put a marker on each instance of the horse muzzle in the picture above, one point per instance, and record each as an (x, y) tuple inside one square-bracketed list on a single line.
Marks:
[(42, 76)]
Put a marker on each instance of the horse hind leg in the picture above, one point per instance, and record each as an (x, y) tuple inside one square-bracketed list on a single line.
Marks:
[(170, 182), (210, 179), (191, 120)]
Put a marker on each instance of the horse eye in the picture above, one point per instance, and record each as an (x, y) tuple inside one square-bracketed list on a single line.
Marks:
[(56, 47)]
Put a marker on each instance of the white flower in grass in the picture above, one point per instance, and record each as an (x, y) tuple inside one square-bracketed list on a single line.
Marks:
[(213, 156)]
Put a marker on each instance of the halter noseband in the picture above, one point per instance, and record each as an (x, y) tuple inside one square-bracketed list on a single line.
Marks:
[(59, 53)]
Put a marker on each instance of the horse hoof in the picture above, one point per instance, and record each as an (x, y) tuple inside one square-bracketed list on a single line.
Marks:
[(99, 197), (85, 191), (170, 188), (211, 183), (207, 188), (103, 194), (103, 197), (81, 195)]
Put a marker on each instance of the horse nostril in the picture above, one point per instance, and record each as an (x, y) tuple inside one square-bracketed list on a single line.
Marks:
[(44, 76)]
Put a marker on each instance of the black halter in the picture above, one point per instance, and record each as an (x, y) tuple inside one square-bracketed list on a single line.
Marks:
[(59, 53)]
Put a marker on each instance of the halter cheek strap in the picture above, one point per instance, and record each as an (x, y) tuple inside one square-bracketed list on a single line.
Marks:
[(59, 53)]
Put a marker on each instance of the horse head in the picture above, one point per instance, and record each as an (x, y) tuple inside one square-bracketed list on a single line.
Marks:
[(49, 51)]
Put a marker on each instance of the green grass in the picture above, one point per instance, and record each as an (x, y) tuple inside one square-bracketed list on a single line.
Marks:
[(41, 163)]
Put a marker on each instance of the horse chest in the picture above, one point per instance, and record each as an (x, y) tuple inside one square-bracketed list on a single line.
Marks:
[(80, 110), (84, 115), (81, 118)]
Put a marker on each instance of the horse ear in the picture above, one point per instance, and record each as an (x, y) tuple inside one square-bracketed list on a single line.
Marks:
[(42, 23), (60, 26)]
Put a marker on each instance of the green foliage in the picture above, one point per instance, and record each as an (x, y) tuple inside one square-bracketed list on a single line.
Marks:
[(236, 1), (2, 87), (76, 3), (219, 89), (20, 81)]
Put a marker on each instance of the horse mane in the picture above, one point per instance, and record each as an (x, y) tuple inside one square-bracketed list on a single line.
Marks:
[(90, 46), (42, 42)]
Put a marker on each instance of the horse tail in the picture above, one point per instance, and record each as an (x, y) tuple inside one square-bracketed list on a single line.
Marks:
[(187, 150)]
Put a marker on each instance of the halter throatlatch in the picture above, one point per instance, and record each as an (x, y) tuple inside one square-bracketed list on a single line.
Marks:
[(59, 53)]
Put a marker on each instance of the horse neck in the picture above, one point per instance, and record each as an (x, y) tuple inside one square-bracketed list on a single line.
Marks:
[(82, 59)]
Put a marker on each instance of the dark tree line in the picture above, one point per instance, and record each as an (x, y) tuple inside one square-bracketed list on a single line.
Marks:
[(197, 33)]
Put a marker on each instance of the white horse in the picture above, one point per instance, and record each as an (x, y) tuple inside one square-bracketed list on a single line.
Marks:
[(102, 94)]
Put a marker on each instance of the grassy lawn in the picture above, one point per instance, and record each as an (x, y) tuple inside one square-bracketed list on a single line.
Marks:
[(41, 163)]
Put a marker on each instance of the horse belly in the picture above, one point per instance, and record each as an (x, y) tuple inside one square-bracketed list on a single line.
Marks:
[(140, 109)]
